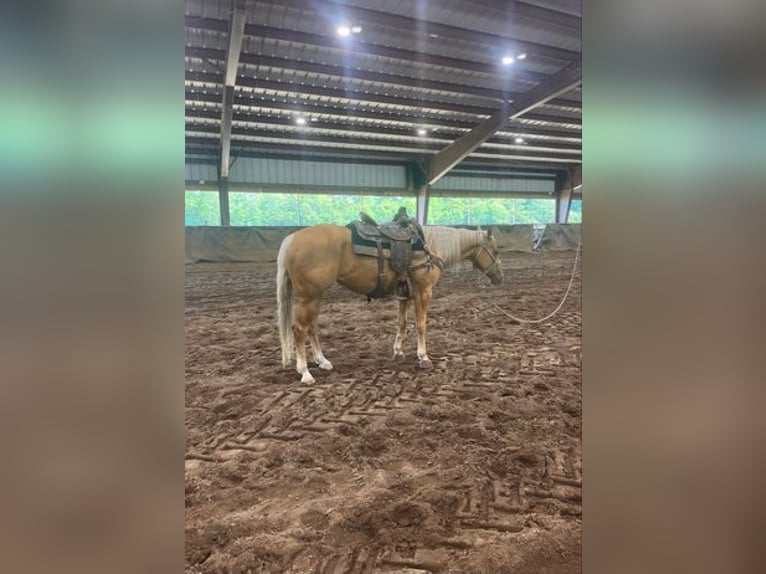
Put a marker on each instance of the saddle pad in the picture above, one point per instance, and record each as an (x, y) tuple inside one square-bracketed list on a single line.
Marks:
[(367, 251)]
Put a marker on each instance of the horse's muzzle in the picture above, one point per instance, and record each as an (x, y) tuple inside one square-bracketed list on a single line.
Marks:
[(495, 278)]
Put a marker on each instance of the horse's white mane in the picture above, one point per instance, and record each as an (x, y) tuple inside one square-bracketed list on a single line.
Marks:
[(450, 243)]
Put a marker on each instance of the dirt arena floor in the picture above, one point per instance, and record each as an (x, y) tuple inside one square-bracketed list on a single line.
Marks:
[(474, 467)]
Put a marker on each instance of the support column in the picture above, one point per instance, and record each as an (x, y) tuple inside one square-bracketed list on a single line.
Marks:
[(236, 35), (563, 198), (422, 204), (223, 200), (416, 180)]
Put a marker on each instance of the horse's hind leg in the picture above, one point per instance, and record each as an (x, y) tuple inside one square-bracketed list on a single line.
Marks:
[(401, 330), (319, 357), (306, 311)]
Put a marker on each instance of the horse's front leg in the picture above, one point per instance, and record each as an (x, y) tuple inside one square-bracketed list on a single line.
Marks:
[(423, 296), (401, 330)]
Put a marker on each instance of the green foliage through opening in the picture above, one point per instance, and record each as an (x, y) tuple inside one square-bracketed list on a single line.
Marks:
[(292, 209), (575, 211), (485, 211)]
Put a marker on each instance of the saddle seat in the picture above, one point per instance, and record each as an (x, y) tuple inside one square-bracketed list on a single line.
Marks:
[(392, 231)]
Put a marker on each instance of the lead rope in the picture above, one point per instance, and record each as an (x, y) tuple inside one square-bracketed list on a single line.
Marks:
[(557, 309)]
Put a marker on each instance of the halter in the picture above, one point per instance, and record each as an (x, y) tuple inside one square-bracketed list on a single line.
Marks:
[(495, 260)]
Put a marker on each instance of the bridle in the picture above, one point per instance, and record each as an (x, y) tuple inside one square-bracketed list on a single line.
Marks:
[(495, 259)]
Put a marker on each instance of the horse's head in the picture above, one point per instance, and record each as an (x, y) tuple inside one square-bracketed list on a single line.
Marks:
[(486, 259)]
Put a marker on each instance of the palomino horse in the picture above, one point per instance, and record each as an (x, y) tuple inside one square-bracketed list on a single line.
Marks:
[(312, 260)]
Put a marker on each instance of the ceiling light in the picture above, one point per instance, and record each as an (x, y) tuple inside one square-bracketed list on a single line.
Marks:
[(521, 56), (356, 29), (422, 132), (507, 60), (433, 35), (343, 31), (518, 141), (300, 121), (314, 119)]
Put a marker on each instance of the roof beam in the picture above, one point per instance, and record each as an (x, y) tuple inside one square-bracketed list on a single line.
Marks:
[(423, 28), (384, 78), (352, 73), (305, 147), (563, 19), (300, 139), (478, 171), (553, 119), (236, 34), (409, 56), (366, 130), (363, 48), (290, 152), (328, 156), (492, 170), (349, 72), (425, 147), (350, 94), (577, 179), (541, 15), (299, 152), (417, 103), (453, 154), (346, 114)]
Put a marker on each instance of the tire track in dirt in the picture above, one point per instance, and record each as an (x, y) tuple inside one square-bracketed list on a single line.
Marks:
[(381, 467)]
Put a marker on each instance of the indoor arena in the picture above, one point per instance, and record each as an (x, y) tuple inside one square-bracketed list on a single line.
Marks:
[(420, 121)]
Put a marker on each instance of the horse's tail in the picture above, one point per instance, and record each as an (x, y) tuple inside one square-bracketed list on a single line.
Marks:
[(285, 304)]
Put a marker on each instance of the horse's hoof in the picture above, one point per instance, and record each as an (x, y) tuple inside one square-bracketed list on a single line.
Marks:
[(426, 364), (326, 365), (398, 355), (307, 379)]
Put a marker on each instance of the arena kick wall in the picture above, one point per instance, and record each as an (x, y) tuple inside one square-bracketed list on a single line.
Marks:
[(261, 244)]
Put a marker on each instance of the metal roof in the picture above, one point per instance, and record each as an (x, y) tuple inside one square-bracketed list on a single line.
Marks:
[(415, 65)]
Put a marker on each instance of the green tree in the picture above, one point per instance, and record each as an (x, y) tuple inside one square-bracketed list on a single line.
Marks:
[(201, 208), (337, 209), (383, 208), (263, 209), (289, 209), (487, 211), (575, 211), (277, 209), (449, 211), (535, 211)]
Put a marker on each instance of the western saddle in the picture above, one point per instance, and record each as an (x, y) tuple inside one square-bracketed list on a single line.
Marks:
[(397, 241)]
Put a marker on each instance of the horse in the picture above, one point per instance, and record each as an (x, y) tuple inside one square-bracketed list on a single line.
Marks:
[(313, 259)]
